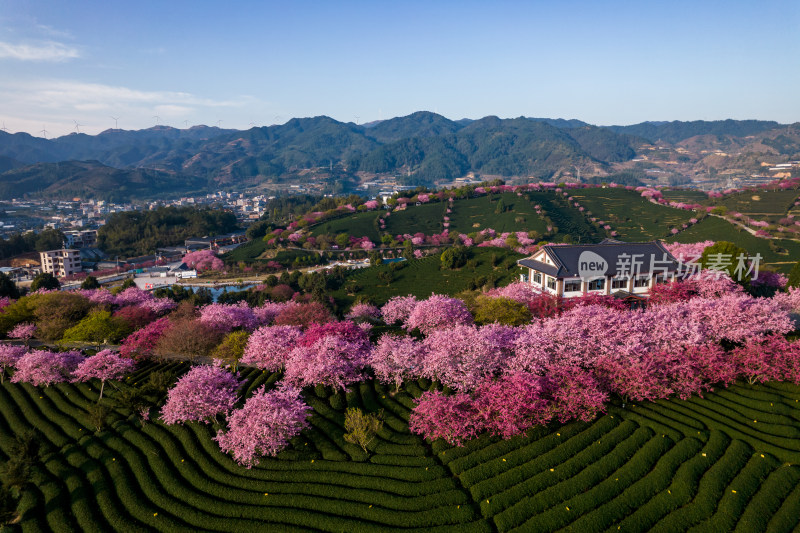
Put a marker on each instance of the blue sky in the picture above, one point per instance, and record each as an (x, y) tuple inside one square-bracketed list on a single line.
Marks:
[(264, 62)]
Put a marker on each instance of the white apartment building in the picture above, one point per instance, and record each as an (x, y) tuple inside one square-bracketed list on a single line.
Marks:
[(60, 263)]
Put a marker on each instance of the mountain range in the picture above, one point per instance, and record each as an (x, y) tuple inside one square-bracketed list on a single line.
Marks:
[(421, 148)]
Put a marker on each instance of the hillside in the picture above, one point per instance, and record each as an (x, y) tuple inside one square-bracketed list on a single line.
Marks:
[(91, 179), (425, 148)]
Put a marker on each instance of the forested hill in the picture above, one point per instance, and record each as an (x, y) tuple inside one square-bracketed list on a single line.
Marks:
[(676, 131), (421, 148), (91, 179)]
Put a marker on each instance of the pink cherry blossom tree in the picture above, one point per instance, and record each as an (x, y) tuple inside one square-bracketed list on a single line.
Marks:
[(264, 425), (203, 260), (43, 368), (396, 358), (398, 309), (9, 355), (105, 365), (364, 312), (331, 360), (201, 395), (268, 347), (24, 331), (438, 312), (227, 317)]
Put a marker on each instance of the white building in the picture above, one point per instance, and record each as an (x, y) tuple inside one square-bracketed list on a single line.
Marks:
[(606, 268), (60, 263)]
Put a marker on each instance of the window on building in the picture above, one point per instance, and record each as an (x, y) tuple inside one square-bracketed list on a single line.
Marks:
[(551, 283), (537, 277), (641, 282), (597, 285), (619, 283), (573, 285)]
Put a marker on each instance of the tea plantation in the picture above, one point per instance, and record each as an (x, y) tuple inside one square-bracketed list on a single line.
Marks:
[(727, 462)]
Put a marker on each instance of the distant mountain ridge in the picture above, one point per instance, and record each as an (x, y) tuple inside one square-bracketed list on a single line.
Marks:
[(419, 148)]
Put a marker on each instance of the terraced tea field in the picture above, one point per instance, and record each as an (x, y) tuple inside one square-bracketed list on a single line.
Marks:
[(779, 254), (357, 224), (723, 463), (424, 276), (633, 217), (761, 205)]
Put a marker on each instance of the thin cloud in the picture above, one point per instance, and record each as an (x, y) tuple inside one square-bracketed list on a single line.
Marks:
[(45, 51), (57, 102)]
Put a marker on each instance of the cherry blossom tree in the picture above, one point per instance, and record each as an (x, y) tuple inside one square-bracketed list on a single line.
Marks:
[(23, 330), (396, 358), (438, 312), (203, 260), (454, 418), (201, 394), (512, 404), (574, 393), (398, 309), (463, 356), (331, 360), (303, 314), (105, 365), (227, 317), (266, 314), (43, 368), (141, 344), (9, 355), (264, 425), (268, 347), (364, 312)]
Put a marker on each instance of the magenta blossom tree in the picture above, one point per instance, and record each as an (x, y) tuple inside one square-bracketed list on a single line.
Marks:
[(512, 404), (264, 425), (9, 355), (23, 331), (141, 343), (43, 368), (574, 393), (200, 395), (268, 347), (105, 365), (453, 418)]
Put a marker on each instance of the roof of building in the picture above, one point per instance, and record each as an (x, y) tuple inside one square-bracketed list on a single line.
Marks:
[(648, 256)]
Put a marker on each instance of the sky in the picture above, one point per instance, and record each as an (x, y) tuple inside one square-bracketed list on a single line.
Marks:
[(72, 66)]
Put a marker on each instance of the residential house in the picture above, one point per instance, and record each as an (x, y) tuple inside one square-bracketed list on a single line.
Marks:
[(610, 267)]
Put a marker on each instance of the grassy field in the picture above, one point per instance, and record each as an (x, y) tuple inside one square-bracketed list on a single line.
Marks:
[(779, 254), (633, 217), (356, 224), (727, 462), (421, 277)]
